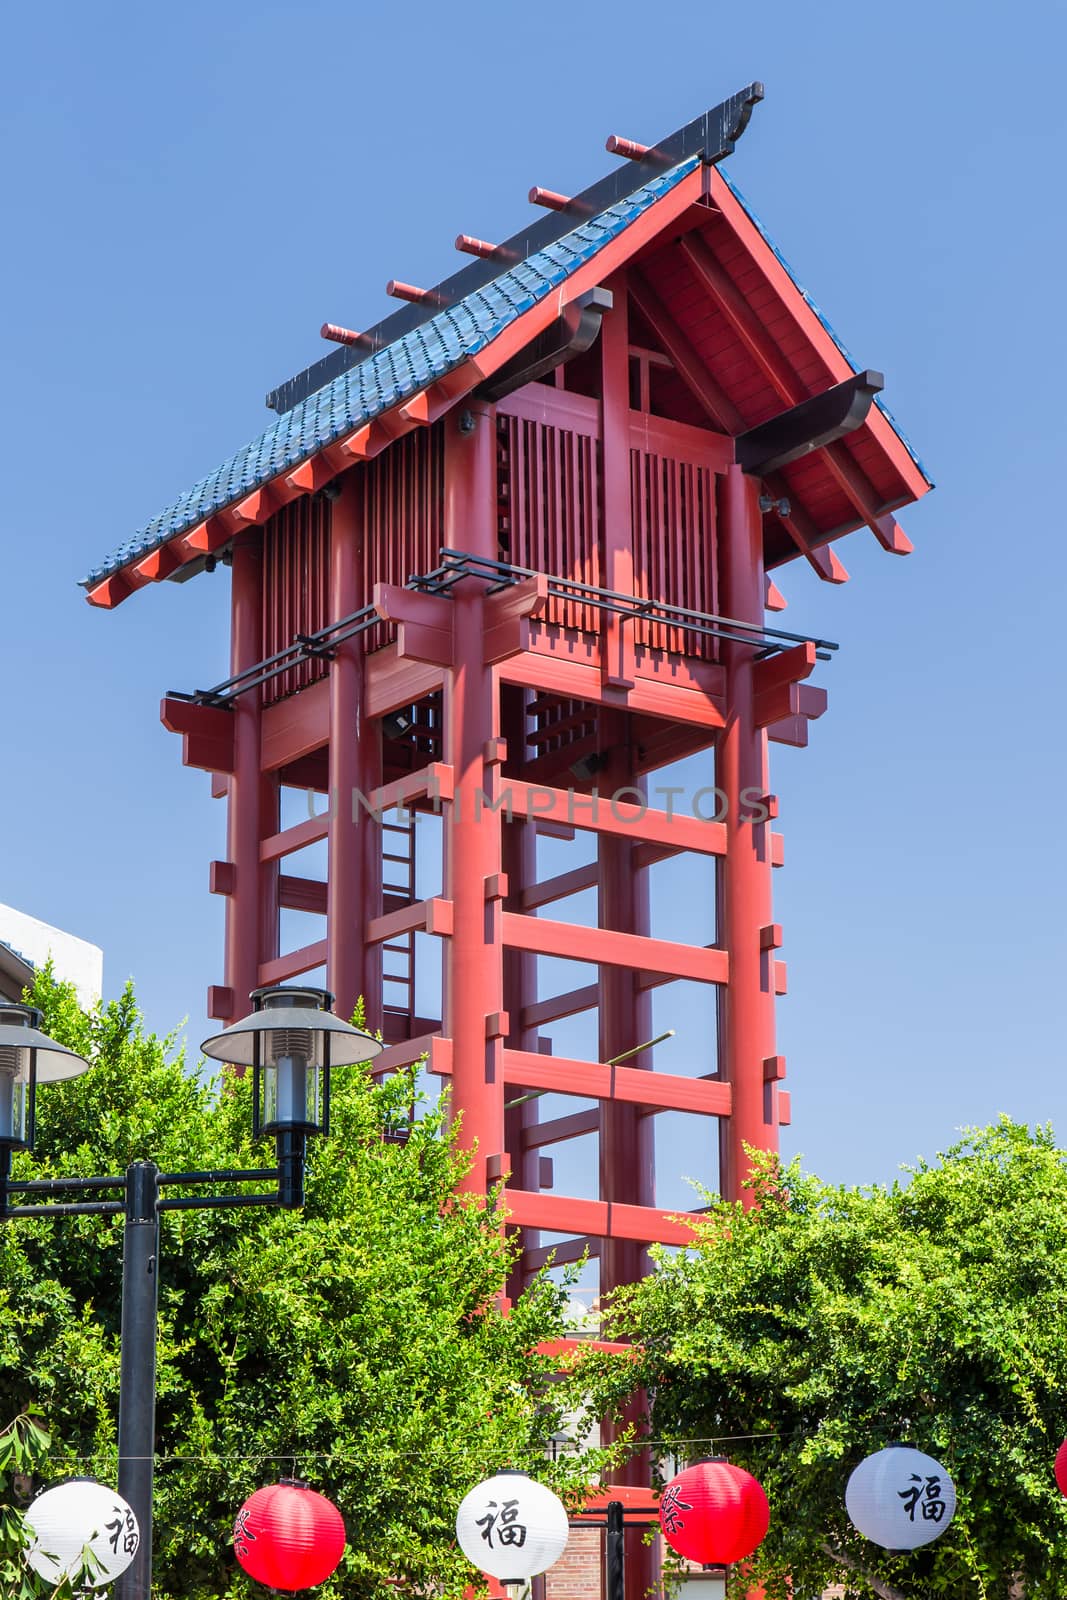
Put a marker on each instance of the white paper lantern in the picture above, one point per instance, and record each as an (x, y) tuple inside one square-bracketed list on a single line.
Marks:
[(512, 1527), (900, 1498), (79, 1517)]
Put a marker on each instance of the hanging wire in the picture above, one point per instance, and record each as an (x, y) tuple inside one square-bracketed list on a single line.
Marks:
[(338, 1456)]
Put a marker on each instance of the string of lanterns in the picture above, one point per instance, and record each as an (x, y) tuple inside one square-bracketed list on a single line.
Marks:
[(289, 1537)]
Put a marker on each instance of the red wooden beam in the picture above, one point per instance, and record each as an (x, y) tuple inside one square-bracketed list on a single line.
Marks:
[(773, 598), (605, 1218), (801, 528), (789, 666), (720, 409), (776, 276), (780, 374), (425, 622), (541, 1012), (206, 539), (291, 965), (409, 291), (208, 733), (158, 564), (606, 814), (302, 894), (559, 887), (311, 475), (294, 838), (110, 592), (701, 964), (476, 247), (660, 1091), (630, 148), (549, 199), (339, 335), (422, 916), (537, 1134)]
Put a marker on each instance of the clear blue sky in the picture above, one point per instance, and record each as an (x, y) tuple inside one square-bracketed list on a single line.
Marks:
[(190, 191)]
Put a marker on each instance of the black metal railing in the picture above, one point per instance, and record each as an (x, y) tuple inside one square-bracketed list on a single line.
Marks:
[(454, 566)]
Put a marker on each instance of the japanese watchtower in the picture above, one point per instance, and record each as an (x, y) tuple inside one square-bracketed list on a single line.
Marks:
[(502, 557)]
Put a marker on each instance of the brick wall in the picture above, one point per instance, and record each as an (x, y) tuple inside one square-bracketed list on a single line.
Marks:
[(576, 1575)]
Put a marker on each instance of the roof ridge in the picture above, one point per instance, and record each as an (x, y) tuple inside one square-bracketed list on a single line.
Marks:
[(364, 390)]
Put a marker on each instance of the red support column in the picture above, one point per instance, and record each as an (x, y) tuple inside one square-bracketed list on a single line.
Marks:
[(626, 1150), (625, 1014), (353, 888), (252, 908), (746, 1032), (474, 976), (520, 979)]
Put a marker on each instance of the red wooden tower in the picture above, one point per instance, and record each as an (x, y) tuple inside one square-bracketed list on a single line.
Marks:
[(502, 558)]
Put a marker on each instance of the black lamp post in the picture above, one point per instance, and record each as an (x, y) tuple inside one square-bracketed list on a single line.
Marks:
[(290, 1040)]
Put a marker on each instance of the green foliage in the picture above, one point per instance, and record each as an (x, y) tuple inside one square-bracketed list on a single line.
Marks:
[(358, 1344), (829, 1321), (24, 1448)]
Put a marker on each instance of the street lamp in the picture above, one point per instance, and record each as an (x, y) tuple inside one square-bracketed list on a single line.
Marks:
[(290, 1040), (27, 1057)]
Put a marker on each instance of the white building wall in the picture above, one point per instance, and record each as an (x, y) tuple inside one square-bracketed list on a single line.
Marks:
[(75, 960)]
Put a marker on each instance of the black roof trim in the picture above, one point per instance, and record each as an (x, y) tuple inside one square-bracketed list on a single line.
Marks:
[(712, 135)]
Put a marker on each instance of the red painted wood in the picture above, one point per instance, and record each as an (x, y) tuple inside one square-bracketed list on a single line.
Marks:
[(251, 928), (611, 948), (565, 1214), (617, 637), (627, 819), (353, 969), (474, 983), (747, 1007), (296, 557), (625, 1085)]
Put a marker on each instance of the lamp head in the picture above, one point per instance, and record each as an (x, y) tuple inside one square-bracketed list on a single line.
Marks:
[(291, 1039), (27, 1057)]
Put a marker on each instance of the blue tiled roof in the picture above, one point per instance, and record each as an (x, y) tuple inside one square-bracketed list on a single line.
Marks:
[(392, 375)]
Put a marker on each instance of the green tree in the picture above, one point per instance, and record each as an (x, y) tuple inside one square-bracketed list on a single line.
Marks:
[(358, 1345), (822, 1324)]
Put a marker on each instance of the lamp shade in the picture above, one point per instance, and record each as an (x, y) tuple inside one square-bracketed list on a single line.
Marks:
[(1061, 1468), (289, 1008), (81, 1529), (512, 1527), (900, 1498), (27, 1057), (288, 1537), (714, 1513), (291, 1039)]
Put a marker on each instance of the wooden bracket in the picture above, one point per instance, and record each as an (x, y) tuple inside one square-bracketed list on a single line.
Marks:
[(424, 622), (773, 681), (508, 615), (207, 733), (773, 1069), (220, 1002), (222, 877)]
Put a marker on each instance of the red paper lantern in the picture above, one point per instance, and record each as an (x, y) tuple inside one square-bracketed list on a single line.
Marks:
[(288, 1537), (714, 1513), (1061, 1467)]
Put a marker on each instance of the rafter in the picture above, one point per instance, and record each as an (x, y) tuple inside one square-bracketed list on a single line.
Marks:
[(776, 368)]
